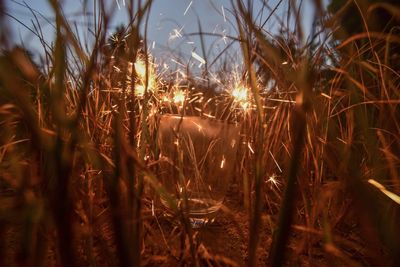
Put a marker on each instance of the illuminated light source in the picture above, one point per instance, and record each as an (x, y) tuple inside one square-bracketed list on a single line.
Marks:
[(241, 96), (139, 90), (179, 97), (140, 68), (141, 79)]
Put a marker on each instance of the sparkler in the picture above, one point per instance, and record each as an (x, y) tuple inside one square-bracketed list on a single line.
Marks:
[(179, 97), (142, 79), (241, 96)]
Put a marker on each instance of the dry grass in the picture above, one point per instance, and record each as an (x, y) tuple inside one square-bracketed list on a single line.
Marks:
[(317, 173)]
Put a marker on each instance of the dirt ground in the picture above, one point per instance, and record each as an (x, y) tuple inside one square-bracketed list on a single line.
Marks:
[(221, 243)]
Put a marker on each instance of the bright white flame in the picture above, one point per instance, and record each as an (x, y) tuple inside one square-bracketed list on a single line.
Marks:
[(179, 97), (140, 68), (199, 127), (241, 96)]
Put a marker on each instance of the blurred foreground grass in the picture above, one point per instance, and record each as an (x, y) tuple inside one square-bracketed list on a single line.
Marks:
[(318, 165)]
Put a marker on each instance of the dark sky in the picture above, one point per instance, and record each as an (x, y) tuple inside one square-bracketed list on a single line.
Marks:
[(170, 21)]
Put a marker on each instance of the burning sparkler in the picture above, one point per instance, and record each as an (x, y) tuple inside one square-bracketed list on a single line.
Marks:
[(241, 97), (179, 97), (146, 77)]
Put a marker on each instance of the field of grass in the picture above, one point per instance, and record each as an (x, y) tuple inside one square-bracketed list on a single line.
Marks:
[(316, 176)]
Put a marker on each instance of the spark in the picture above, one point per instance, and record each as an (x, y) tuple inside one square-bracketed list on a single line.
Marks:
[(250, 148), (117, 69), (275, 161), (285, 63), (272, 179), (341, 140), (201, 79), (153, 45), (199, 58), (325, 95), (215, 78), (193, 99), (209, 115), (199, 127), (224, 38), (223, 13), (282, 100), (191, 2), (175, 34), (119, 7), (177, 62), (223, 162)]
